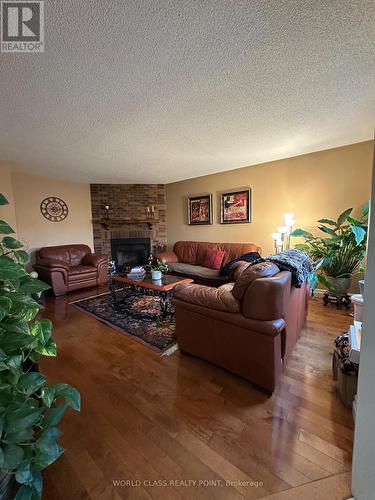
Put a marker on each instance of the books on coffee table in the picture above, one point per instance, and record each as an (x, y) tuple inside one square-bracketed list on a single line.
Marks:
[(137, 273)]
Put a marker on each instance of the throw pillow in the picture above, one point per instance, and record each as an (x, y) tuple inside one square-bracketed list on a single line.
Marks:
[(253, 272), (237, 269), (213, 259), (247, 257)]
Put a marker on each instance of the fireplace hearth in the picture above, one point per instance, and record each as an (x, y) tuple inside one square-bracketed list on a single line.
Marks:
[(128, 252)]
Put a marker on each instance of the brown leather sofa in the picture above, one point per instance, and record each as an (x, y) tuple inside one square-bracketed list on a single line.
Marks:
[(249, 327), (71, 267), (187, 258)]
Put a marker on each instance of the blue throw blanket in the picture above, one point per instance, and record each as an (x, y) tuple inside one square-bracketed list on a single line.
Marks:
[(295, 261), (247, 257)]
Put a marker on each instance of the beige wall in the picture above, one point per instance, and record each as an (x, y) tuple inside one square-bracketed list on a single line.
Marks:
[(34, 229), (7, 212), (312, 186)]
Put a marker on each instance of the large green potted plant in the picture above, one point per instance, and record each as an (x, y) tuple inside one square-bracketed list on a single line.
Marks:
[(30, 409), (339, 253)]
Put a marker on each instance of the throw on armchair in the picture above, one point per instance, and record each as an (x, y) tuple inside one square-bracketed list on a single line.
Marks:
[(71, 267), (248, 327)]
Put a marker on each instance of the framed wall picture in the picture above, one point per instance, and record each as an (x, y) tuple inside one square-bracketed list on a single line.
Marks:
[(235, 206), (200, 209)]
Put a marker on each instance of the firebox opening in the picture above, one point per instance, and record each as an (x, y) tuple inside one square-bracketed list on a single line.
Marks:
[(128, 252)]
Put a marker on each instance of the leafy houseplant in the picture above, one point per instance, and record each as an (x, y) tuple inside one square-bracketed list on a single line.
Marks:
[(339, 253), (30, 409), (157, 269)]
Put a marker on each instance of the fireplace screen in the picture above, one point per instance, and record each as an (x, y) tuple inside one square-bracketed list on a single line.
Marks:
[(128, 252)]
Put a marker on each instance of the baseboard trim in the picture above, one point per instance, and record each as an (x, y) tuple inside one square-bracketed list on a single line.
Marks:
[(321, 291)]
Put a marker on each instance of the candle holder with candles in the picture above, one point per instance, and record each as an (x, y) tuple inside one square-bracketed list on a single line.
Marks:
[(150, 211)]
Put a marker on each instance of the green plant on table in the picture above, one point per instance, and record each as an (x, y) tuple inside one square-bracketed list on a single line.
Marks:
[(159, 266), (30, 409), (339, 253)]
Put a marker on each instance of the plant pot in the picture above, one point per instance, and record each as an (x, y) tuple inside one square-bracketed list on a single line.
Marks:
[(339, 286), (156, 275)]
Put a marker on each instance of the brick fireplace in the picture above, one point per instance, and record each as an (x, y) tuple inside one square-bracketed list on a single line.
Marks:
[(128, 212)]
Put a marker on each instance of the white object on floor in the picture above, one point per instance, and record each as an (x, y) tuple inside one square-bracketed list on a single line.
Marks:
[(355, 332), (358, 307), (170, 351)]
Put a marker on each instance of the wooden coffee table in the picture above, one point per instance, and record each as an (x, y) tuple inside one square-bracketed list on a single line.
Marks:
[(162, 288)]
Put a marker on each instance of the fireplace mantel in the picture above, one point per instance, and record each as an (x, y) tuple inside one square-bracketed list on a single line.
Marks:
[(108, 223)]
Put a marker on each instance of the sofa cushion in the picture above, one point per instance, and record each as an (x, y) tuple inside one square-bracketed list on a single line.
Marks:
[(73, 254), (206, 296), (213, 259), (250, 274), (232, 250), (227, 286), (237, 269), (192, 252), (186, 251), (191, 270), (74, 270)]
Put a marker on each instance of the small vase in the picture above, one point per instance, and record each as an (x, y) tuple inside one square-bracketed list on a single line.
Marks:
[(156, 275)]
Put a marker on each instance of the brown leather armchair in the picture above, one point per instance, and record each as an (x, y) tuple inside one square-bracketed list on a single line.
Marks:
[(71, 267), (248, 327)]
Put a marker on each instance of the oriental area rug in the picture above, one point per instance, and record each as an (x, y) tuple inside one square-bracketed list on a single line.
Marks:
[(136, 315)]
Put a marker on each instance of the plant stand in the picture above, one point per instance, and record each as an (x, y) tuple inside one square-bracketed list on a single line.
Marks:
[(337, 298)]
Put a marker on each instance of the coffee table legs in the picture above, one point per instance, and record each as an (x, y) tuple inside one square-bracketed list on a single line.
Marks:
[(165, 304), (115, 302), (164, 299), (112, 290)]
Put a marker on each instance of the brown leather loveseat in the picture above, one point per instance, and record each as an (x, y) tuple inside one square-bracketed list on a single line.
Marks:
[(249, 327), (187, 259), (71, 267)]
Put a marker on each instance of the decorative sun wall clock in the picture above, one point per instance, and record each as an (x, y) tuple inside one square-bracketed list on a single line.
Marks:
[(54, 209)]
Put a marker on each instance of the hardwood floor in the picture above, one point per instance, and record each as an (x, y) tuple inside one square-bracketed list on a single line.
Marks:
[(182, 422)]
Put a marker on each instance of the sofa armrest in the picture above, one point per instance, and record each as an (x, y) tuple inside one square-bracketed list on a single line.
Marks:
[(52, 264), (270, 328), (219, 299), (55, 273), (166, 257), (94, 260)]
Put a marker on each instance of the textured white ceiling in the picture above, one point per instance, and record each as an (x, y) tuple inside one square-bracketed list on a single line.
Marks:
[(158, 91)]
